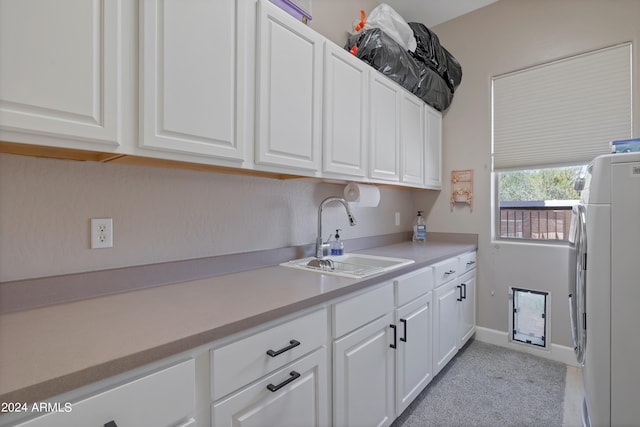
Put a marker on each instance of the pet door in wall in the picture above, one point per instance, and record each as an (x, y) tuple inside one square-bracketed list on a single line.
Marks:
[(529, 321)]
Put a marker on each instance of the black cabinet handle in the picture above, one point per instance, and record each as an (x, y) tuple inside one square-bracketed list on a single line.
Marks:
[(449, 272), (111, 424), (395, 337), (460, 297), (464, 288), (404, 339), (292, 344), (471, 262), (293, 376)]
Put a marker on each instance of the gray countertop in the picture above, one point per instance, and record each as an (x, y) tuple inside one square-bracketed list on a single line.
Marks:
[(50, 350)]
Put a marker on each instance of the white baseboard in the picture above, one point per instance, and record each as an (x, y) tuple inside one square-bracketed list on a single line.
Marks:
[(559, 353)]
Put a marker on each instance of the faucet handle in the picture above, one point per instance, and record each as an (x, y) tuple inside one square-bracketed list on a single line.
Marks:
[(328, 239)]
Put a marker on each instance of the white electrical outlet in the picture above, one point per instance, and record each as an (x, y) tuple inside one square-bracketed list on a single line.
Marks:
[(397, 218), (101, 233)]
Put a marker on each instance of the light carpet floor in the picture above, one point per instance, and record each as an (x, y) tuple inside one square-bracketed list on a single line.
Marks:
[(488, 385)]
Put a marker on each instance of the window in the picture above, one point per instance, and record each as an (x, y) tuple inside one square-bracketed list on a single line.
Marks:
[(529, 322), (536, 203), (545, 119)]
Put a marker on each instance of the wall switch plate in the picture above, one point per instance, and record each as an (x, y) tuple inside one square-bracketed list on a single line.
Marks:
[(101, 233), (397, 218)]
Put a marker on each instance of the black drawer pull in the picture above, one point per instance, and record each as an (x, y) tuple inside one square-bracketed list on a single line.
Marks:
[(464, 288), (293, 376), (293, 343), (404, 339), (111, 424), (471, 262), (395, 337), (460, 297)]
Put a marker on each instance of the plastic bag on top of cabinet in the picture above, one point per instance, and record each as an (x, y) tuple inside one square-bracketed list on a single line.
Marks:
[(377, 49), (435, 56), (388, 20)]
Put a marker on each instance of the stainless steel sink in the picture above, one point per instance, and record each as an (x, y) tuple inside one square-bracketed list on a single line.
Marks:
[(349, 265)]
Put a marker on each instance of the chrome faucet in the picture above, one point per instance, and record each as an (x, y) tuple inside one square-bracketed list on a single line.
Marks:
[(321, 246)]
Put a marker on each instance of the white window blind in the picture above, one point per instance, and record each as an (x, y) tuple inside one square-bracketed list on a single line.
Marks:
[(564, 112)]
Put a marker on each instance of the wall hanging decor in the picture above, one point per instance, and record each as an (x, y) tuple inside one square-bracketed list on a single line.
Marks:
[(462, 188)]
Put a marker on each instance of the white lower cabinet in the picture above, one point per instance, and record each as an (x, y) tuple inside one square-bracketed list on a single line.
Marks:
[(454, 307), (294, 396), (445, 311), (467, 307), (275, 377), (363, 374), (363, 359), (414, 350), (385, 359), (162, 399)]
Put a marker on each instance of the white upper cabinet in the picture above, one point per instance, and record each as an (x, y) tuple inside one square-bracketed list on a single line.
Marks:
[(61, 71), (289, 92), (412, 139), (346, 112), (192, 81), (433, 152), (235, 83), (385, 129)]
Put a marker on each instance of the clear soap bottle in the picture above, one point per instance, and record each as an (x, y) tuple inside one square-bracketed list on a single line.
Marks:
[(337, 247), (419, 229)]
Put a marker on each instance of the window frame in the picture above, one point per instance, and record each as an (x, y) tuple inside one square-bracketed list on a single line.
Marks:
[(496, 222), (522, 98)]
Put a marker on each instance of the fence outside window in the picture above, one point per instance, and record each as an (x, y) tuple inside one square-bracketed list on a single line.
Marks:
[(533, 220)]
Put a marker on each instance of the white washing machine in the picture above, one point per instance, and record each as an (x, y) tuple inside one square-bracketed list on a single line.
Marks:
[(604, 292)]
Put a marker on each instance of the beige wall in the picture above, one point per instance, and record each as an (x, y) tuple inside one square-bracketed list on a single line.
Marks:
[(161, 215), (334, 18), (502, 37)]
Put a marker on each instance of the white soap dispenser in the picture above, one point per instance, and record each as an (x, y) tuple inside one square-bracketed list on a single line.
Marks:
[(419, 229), (337, 247)]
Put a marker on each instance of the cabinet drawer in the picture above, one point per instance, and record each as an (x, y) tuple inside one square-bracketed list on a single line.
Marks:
[(412, 285), (299, 399), (467, 262), (239, 363), (160, 399), (445, 271), (357, 311)]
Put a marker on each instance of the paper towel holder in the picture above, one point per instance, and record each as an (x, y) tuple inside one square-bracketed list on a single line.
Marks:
[(362, 195)]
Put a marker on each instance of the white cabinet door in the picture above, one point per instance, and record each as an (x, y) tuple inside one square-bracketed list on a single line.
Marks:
[(363, 373), (412, 139), (191, 78), (61, 72), (289, 103), (445, 325), (295, 396), (346, 112), (385, 129), (467, 307), (161, 399), (433, 152), (414, 356)]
